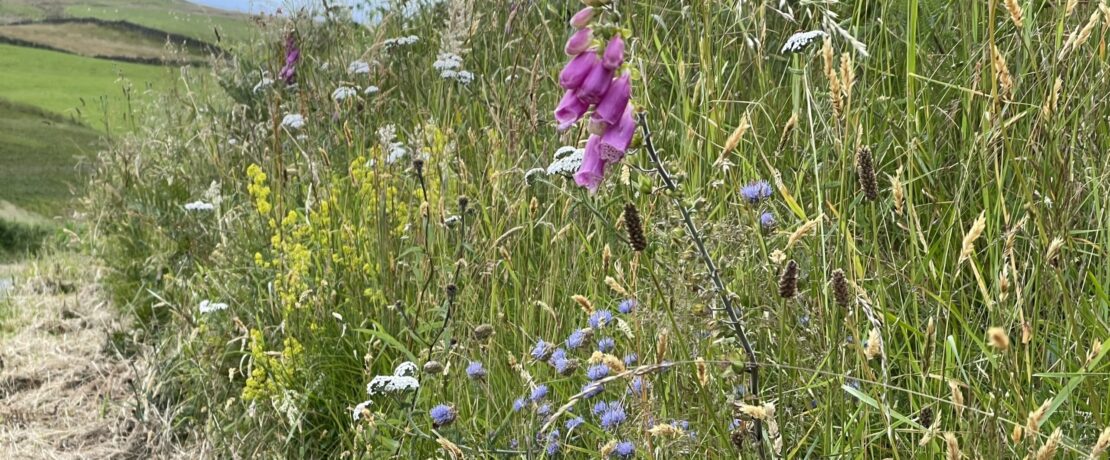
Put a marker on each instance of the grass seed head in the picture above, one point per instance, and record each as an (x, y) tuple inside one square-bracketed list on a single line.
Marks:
[(998, 339), (788, 281)]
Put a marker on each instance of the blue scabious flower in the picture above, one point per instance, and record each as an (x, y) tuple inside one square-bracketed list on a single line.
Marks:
[(552, 447), (606, 344), (574, 423), (637, 386), (624, 449), (627, 306), (630, 359), (590, 390), (475, 370), (600, 406), (613, 416), (600, 318), (558, 354), (597, 372), (767, 220), (756, 191), (539, 393), (578, 338), (442, 415), (543, 410), (518, 405), (542, 351), (564, 366)]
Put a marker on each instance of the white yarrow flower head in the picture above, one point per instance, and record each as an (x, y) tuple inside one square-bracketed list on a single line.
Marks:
[(567, 161), (801, 40), (359, 68), (400, 41), (402, 380), (371, 90), (199, 206), (447, 61), (342, 93), (397, 151), (293, 121), (206, 306)]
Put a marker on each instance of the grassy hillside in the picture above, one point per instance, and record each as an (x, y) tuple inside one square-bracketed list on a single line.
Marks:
[(92, 91), (41, 155), (175, 16), (891, 243), (101, 40)]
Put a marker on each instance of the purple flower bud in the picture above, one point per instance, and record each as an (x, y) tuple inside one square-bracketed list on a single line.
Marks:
[(576, 70), (614, 53), (582, 18), (616, 140), (578, 42), (288, 72), (595, 85), (612, 105), (592, 171), (570, 110)]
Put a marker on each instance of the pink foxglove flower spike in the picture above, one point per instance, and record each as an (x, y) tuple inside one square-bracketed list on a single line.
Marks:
[(575, 72)]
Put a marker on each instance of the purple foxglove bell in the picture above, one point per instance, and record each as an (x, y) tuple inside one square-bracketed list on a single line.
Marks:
[(582, 18), (578, 42), (614, 53), (288, 72), (575, 72), (570, 110), (614, 143), (595, 85), (612, 105), (592, 171)]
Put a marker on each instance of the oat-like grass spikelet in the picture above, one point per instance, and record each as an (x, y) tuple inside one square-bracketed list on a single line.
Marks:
[(998, 339), (976, 230), (584, 303), (952, 446), (1036, 417), (957, 397), (1002, 71), (1048, 450), (1014, 8), (1101, 446)]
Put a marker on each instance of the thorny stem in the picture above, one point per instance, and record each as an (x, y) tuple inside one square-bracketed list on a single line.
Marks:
[(722, 292)]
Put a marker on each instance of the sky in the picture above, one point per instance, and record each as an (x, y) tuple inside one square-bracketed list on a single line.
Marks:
[(270, 6)]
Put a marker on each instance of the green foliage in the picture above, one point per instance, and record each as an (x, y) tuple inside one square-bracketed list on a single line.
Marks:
[(338, 264)]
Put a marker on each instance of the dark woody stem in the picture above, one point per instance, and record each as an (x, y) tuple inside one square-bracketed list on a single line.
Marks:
[(722, 292)]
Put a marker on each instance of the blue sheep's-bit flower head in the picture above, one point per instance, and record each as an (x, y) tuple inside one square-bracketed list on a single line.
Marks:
[(578, 338), (539, 393), (518, 405), (606, 344), (756, 191), (630, 359), (597, 372), (542, 351), (613, 416), (599, 407), (600, 318), (767, 220), (574, 423), (627, 306), (543, 410), (475, 370), (637, 386), (442, 415), (624, 449), (592, 389)]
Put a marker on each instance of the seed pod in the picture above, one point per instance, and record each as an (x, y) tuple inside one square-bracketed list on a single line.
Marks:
[(865, 168), (788, 282), (433, 367), (634, 227), (840, 289), (464, 202), (483, 331)]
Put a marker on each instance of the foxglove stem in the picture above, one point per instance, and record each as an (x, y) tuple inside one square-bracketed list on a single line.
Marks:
[(695, 236)]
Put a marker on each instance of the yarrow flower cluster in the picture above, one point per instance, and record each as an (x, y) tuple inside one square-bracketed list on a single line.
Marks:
[(400, 41), (588, 81), (293, 121), (342, 93), (199, 206), (403, 379), (359, 68), (206, 306)]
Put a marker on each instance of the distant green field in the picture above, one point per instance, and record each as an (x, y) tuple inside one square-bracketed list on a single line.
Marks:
[(39, 156), (175, 16), (101, 40), (84, 89)]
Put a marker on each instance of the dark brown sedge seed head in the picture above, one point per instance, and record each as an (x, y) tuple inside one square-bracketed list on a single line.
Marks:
[(634, 227), (865, 168), (840, 288), (788, 282)]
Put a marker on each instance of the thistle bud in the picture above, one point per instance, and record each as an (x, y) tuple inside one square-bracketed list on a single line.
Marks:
[(865, 168)]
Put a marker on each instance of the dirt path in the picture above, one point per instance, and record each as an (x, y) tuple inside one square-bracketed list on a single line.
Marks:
[(64, 392)]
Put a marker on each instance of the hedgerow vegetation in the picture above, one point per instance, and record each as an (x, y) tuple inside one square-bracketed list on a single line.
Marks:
[(921, 275)]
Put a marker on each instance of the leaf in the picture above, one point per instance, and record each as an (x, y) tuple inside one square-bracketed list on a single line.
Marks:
[(871, 402), (380, 333)]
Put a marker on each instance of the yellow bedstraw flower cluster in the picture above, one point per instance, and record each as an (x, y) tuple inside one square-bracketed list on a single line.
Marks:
[(270, 375)]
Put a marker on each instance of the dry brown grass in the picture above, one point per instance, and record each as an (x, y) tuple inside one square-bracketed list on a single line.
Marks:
[(62, 394)]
